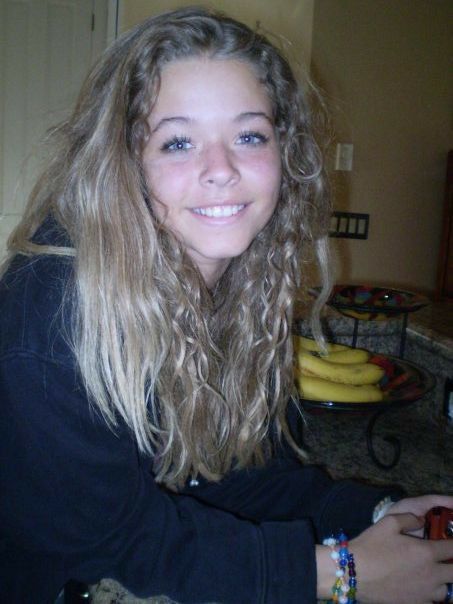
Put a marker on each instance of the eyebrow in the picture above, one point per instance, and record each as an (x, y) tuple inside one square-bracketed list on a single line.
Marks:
[(169, 120), (248, 115), (242, 117)]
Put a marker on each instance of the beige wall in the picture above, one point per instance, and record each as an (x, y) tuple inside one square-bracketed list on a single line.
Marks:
[(291, 20), (386, 67)]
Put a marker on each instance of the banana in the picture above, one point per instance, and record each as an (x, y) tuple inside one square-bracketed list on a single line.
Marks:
[(350, 356), (315, 388), (354, 374), (342, 375), (301, 343)]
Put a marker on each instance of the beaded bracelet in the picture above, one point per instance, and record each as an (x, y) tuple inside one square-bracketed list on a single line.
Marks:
[(343, 591)]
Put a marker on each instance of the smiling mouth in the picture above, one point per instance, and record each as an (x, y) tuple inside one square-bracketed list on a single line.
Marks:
[(219, 211)]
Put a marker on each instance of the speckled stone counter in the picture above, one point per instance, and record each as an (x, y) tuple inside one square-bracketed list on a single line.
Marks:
[(435, 353), (337, 441)]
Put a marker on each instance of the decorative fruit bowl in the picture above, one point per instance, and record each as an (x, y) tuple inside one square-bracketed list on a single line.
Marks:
[(371, 303), (403, 383)]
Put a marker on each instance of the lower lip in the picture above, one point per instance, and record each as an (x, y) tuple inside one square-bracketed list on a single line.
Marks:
[(220, 220)]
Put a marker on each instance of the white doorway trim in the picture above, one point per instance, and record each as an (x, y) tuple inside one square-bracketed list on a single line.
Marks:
[(113, 14)]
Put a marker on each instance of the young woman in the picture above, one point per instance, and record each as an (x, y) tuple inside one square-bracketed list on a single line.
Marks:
[(145, 352)]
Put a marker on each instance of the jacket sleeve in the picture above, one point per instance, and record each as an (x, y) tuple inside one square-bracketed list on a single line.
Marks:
[(285, 489), (78, 501)]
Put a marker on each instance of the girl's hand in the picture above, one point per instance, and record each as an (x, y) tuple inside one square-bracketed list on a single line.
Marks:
[(394, 566), (419, 506)]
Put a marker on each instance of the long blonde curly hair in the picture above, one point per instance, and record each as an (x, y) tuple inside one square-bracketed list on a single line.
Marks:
[(199, 376)]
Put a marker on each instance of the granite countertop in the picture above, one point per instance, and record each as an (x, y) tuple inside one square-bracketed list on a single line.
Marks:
[(434, 321), (337, 440)]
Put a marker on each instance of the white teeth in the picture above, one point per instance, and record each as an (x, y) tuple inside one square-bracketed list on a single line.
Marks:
[(219, 211)]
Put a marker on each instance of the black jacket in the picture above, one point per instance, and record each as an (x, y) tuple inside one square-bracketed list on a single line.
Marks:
[(78, 500)]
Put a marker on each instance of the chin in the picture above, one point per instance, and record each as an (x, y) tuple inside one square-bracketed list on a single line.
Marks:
[(227, 253)]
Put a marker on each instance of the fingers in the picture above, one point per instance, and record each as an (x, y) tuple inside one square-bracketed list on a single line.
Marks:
[(442, 573), (443, 551), (432, 501), (422, 504), (405, 523), (442, 593), (445, 574)]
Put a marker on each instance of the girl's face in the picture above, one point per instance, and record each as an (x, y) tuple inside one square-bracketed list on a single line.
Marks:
[(212, 161)]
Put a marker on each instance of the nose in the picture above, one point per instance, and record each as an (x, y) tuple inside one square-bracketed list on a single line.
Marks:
[(218, 166)]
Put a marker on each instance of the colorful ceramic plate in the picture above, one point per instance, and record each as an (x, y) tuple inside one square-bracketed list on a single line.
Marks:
[(370, 303), (403, 383)]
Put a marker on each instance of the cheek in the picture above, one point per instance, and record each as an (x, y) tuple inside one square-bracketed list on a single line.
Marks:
[(168, 181), (268, 174)]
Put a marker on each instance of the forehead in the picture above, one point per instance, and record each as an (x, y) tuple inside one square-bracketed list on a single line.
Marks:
[(203, 85)]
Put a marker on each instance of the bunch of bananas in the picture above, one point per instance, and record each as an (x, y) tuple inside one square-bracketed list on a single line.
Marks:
[(342, 375)]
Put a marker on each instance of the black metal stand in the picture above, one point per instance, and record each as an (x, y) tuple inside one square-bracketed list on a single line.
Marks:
[(392, 440), (403, 335), (355, 334)]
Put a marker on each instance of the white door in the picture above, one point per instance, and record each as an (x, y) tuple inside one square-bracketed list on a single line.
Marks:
[(46, 49)]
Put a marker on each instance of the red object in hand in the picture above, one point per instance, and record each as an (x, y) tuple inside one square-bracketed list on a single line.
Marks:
[(439, 524)]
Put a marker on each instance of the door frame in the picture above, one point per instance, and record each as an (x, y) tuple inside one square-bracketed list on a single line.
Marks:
[(113, 14)]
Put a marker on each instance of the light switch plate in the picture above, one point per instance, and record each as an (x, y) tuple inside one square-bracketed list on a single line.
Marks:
[(343, 157), (350, 225)]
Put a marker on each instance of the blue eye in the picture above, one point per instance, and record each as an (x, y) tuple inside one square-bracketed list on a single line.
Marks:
[(252, 138), (177, 143)]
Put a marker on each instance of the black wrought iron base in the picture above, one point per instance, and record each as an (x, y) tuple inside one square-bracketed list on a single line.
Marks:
[(392, 440)]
